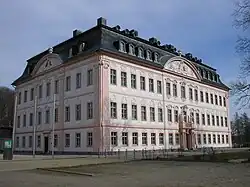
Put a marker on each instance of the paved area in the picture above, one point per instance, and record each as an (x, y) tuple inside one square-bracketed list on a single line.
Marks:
[(138, 174)]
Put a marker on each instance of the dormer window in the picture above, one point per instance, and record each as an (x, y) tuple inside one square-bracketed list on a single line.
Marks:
[(81, 47), (215, 78), (149, 55), (131, 48), (206, 74), (140, 52), (210, 76), (70, 52), (122, 46), (201, 71), (156, 57)]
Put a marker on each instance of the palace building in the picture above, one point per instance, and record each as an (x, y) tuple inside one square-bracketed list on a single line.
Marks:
[(109, 89)]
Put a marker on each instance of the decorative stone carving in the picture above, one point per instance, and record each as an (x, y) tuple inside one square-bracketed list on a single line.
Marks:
[(133, 101), (124, 99)]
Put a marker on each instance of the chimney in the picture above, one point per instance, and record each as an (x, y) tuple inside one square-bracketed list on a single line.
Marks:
[(101, 21), (76, 32)]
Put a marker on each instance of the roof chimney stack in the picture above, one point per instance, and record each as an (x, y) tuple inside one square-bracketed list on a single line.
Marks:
[(101, 21)]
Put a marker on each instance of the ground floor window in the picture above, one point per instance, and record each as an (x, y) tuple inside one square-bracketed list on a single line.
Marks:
[(23, 141), (161, 138), (30, 141), (55, 140), (67, 140), (135, 138), (170, 139), (177, 139), (89, 139), (17, 142), (114, 138), (153, 139), (199, 139), (38, 141), (144, 138), (78, 140), (124, 138)]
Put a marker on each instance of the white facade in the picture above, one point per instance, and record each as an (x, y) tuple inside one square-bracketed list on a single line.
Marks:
[(92, 93)]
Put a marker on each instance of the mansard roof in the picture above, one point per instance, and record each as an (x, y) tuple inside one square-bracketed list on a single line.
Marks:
[(121, 42)]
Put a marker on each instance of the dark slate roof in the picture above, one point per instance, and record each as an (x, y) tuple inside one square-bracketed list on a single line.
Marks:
[(103, 37)]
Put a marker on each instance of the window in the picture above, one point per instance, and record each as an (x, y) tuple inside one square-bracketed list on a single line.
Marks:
[(56, 115), (153, 139), (78, 112), (144, 139), (190, 93), (124, 138), (152, 114), (156, 57), (170, 139), (160, 115), (47, 116), (196, 95), (177, 139), (225, 121), (134, 112), (209, 139), (40, 91), (23, 141), (176, 116), (199, 139), (133, 81), (90, 77), (39, 118), (67, 113), (67, 140), (19, 98), (208, 119), (18, 121), (140, 53), (192, 117), (78, 80), (223, 138), (161, 138), (124, 111), (124, 79), (24, 120), (143, 113), (213, 120), (32, 94), (159, 89), (214, 138), (48, 89), (55, 140), (114, 138), (17, 142), (220, 99), (204, 139), (68, 83), (174, 90), (30, 141), (212, 98), (217, 121), (122, 46), (207, 99), (113, 76), (56, 86), (201, 96), (31, 119), (142, 83), (216, 99), (218, 137), (170, 115), (183, 92), (89, 110), (224, 102), (221, 121), (203, 119), (89, 139), (227, 140), (168, 88), (38, 141), (151, 85), (135, 138), (25, 96), (197, 118), (185, 116), (78, 140), (131, 49), (113, 110), (149, 55)]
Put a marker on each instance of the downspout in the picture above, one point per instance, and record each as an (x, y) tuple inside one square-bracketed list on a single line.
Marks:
[(164, 112)]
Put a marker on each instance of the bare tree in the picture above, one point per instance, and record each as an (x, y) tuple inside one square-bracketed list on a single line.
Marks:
[(241, 87), (6, 106)]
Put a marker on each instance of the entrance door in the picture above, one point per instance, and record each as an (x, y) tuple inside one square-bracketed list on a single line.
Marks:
[(46, 144)]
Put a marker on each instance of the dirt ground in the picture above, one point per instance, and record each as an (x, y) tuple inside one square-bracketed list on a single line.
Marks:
[(138, 174)]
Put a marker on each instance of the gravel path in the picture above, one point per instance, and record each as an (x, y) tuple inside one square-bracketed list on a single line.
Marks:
[(138, 174)]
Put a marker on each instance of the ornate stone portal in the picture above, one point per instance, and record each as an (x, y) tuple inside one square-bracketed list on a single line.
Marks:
[(186, 132)]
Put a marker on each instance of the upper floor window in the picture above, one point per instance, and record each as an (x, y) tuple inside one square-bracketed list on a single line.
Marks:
[(216, 99), (149, 55), (224, 101), (25, 96), (151, 85), (156, 57), (168, 88), (48, 89), (190, 93), (90, 77), (78, 80), (19, 98), (183, 92), (122, 46), (143, 113), (140, 52), (159, 89), (113, 110), (78, 112), (133, 81), (131, 49), (212, 98), (123, 79), (113, 76), (142, 83), (152, 113), (124, 111), (89, 110), (56, 85), (196, 95), (220, 99), (47, 116), (67, 113), (201, 96), (32, 94), (68, 83), (40, 91), (207, 98), (175, 90)]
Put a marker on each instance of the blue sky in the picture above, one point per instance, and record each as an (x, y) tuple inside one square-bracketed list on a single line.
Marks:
[(203, 28)]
